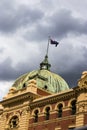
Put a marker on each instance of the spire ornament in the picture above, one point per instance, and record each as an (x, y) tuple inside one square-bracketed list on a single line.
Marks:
[(45, 64)]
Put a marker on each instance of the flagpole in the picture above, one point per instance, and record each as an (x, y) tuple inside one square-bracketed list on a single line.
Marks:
[(48, 46)]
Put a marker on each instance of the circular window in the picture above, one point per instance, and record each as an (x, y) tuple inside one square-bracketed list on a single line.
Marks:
[(14, 121), (45, 87)]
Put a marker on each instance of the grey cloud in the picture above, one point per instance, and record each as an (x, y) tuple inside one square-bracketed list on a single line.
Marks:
[(8, 72), (67, 23), (12, 17), (59, 25), (74, 74)]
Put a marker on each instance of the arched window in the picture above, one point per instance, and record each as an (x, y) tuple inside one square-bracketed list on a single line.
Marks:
[(36, 116), (60, 106), (14, 122), (73, 107), (47, 112)]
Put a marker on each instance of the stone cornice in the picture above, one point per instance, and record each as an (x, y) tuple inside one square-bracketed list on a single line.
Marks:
[(52, 99), (23, 106), (28, 95), (80, 89)]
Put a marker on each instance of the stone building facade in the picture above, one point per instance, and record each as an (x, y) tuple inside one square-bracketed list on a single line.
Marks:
[(42, 100)]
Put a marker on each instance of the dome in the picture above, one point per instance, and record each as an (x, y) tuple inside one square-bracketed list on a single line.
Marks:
[(45, 79)]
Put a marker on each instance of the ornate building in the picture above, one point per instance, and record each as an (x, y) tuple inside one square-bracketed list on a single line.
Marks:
[(42, 100)]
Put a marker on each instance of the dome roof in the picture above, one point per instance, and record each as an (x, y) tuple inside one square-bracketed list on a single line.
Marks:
[(45, 79)]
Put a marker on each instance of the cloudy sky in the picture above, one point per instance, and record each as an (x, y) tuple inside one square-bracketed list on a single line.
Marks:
[(24, 29)]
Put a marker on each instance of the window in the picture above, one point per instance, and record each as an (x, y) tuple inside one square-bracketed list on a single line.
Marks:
[(24, 85), (14, 122), (45, 87), (73, 107), (36, 116), (60, 106), (47, 113)]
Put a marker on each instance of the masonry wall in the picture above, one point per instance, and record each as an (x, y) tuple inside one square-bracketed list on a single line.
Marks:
[(54, 123), (2, 121), (85, 118)]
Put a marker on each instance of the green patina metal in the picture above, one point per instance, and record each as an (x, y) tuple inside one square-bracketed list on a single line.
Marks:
[(45, 79)]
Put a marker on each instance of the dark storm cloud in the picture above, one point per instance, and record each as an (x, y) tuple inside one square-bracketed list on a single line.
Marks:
[(64, 22), (8, 72), (73, 75), (60, 24), (13, 17)]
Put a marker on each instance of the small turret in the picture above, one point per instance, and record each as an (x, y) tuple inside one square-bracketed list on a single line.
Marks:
[(45, 64)]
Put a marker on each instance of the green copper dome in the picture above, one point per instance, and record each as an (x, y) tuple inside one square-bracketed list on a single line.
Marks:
[(45, 79)]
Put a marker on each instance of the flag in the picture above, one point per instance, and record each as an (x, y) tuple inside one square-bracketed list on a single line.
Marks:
[(54, 42)]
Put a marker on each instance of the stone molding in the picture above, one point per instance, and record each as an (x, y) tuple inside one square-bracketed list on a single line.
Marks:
[(52, 99), (24, 96)]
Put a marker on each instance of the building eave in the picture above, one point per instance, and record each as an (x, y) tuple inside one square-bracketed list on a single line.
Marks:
[(52, 98)]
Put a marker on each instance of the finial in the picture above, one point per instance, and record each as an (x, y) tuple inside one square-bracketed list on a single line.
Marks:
[(45, 64)]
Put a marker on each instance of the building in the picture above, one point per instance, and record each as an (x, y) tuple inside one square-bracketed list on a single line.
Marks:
[(42, 100)]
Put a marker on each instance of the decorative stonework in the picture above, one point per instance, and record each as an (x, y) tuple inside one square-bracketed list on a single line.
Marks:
[(81, 107), (83, 81), (14, 122)]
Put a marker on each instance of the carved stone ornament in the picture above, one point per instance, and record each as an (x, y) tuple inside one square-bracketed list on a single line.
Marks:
[(83, 81), (81, 107), (14, 122)]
